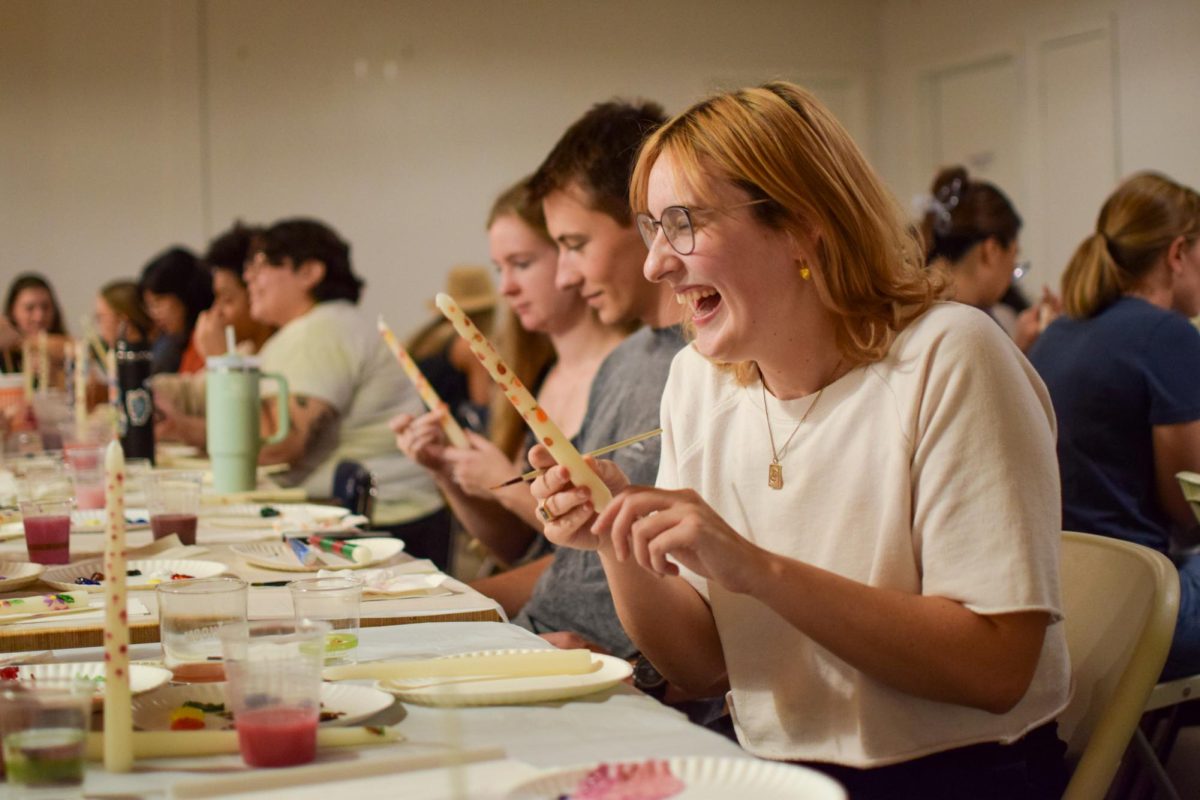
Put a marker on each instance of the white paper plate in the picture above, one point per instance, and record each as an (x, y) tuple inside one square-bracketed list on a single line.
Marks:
[(142, 678), (92, 520), (279, 555), (152, 712), (705, 779), (300, 515), (154, 571), (17, 574), (607, 671)]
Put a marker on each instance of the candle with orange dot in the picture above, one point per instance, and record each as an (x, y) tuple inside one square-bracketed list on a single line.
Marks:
[(118, 715), (535, 417), (431, 399)]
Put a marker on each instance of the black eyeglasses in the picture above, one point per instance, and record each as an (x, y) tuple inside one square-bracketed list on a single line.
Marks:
[(677, 225)]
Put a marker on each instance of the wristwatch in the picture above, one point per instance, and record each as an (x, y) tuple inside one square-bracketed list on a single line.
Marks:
[(647, 678)]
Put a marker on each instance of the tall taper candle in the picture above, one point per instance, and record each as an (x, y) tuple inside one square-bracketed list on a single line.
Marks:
[(535, 417), (80, 386), (431, 399), (118, 715), (27, 368), (43, 345)]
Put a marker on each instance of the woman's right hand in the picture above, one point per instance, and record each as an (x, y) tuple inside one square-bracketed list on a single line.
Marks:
[(566, 509), (422, 439), (209, 333)]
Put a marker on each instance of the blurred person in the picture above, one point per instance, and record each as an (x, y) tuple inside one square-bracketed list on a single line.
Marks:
[(225, 260), (119, 307), (175, 290), (1123, 370), (32, 309)]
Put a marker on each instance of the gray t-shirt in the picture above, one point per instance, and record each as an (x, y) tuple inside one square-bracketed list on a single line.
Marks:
[(572, 594)]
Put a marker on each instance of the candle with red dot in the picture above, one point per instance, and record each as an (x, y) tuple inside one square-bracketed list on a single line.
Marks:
[(535, 417), (118, 715), (430, 397)]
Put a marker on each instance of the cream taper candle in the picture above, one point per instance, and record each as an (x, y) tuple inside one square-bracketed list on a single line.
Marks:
[(431, 399), (80, 386), (27, 368), (43, 354), (535, 417), (118, 716)]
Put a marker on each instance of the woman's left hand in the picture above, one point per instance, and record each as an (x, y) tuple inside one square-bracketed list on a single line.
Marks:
[(649, 524), (480, 467)]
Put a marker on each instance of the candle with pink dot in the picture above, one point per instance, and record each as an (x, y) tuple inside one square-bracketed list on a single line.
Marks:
[(535, 417), (118, 715), (430, 397)]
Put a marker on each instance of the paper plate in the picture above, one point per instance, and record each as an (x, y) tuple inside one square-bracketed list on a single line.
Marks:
[(17, 574), (278, 555), (607, 671), (92, 520), (299, 515), (142, 678), (154, 572), (703, 779), (352, 704)]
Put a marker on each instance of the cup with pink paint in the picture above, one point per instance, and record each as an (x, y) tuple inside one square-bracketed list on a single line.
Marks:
[(85, 463), (173, 498), (44, 493)]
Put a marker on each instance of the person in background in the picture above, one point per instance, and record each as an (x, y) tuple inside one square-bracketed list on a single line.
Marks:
[(225, 261), (119, 306), (31, 308), (855, 525), (175, 290), (1123, 370), (554, 345), (970, 229)]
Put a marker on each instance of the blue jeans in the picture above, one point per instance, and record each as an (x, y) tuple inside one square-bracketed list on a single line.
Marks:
[(1184, 658)]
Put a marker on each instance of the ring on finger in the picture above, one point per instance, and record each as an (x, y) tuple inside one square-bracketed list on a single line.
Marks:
[(545, 513)]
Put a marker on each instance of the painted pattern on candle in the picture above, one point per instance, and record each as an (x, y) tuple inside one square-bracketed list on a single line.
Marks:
[(118, 715), (535, 417), (428, 396)]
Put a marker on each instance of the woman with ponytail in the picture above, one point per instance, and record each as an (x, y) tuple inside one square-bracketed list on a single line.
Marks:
[(1123, 370)]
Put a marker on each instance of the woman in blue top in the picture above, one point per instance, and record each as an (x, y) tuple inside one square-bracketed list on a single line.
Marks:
[(1123, 370)]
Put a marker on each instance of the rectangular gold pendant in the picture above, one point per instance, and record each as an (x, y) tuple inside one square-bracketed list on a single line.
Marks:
[(775, 476)]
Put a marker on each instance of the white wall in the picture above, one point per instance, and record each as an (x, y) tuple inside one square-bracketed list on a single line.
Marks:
[(128, 125), (1061, 100)]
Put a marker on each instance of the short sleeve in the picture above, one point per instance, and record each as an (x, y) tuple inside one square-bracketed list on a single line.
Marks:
[(317, 364), (985, 484), (1172, 369)]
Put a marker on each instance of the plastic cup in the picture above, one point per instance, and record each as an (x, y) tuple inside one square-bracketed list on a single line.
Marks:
[(137, 475), (274, 673), (47, 530), (191, 615), (43, 727), (336, 601), (173, 499), (85, 464)]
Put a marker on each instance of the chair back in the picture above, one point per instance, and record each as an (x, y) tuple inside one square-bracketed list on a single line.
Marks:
[(1120, 601), (354, 488)]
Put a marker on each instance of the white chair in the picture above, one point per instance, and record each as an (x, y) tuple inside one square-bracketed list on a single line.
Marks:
[(1120, 601), (1165, 695)]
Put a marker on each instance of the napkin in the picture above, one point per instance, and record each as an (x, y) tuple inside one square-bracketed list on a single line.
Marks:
[(300, 522), (399, 581)]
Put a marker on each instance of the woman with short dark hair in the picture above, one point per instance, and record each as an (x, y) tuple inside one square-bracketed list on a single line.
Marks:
[(175, 290)]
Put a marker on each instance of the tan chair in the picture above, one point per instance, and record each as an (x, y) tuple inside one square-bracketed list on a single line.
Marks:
[(1120, 601)]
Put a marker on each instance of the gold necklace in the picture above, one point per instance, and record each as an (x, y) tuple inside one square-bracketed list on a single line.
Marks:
[(775, 469)]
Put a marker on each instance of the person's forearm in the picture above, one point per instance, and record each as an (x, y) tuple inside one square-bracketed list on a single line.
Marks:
[(191, 430), (520, 503), (670, 623), (931, 647), (505, 535)]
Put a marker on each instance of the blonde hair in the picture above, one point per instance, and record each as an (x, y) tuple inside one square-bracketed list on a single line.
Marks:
[(1135, 228), (778, 143)]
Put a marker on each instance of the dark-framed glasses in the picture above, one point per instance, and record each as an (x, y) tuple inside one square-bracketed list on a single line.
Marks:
[(677, 226)]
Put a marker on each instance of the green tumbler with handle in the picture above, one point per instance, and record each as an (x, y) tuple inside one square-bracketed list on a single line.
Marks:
[(232, 414)]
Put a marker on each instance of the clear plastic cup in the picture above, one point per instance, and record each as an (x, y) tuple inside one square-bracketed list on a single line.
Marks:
[(336, 601), (47, 530), (43, 730), (173, 499), (191, 615), (274, 688), (85, 464)]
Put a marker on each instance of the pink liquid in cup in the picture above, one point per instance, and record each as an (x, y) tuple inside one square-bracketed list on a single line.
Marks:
[(89, 496), (182, 525), (277, 737), (48, 539)]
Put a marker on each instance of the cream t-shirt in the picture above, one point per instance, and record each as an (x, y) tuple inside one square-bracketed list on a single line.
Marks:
[(932, 471), (334, 354)]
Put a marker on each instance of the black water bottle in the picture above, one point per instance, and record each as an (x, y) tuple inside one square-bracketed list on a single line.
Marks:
[(135, 400)]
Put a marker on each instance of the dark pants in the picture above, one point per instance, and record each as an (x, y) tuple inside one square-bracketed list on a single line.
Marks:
[(427, 537)]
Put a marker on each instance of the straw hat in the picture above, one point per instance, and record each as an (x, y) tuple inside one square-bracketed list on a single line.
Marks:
[(471, 287)]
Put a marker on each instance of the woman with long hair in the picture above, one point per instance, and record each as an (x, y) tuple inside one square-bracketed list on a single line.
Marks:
[(1123, 370), (31, 309)]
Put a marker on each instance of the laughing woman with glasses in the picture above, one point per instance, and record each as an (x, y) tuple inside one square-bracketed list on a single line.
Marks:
[(970, 229), (855, 525)]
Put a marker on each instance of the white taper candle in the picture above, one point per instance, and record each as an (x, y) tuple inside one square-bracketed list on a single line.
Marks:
[(430, 397), (118, 719), (43, 354), (80, 385), (27, 368), (535, 417)]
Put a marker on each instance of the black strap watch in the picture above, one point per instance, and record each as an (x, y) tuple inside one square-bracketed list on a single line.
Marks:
[(648, 679)]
